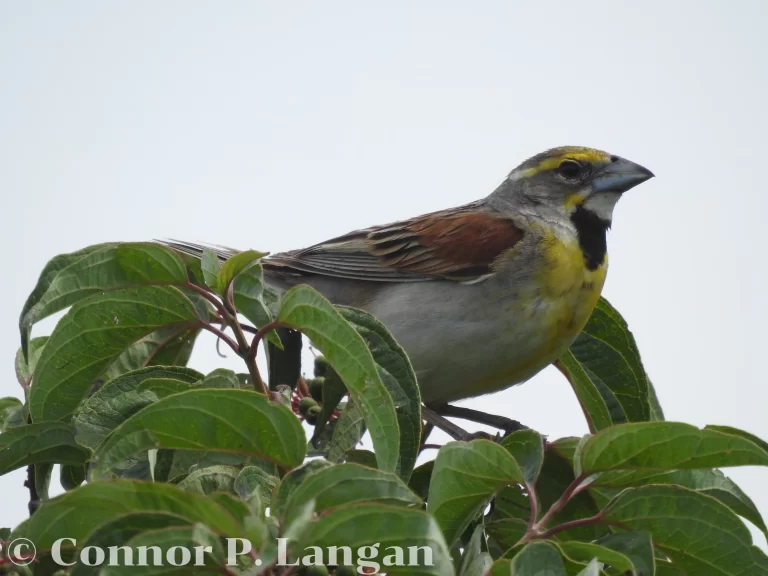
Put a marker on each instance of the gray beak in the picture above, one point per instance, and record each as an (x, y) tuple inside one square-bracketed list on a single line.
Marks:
[(620, 175)]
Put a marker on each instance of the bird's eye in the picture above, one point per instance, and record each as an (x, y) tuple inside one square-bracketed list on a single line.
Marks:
[(570, 169)]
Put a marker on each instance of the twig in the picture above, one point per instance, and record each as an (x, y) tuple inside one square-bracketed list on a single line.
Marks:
[(432, 417), (246, 354), (208, 296), (231, 343), (538, 529), (260, 336), (573, 489), (573, 524)]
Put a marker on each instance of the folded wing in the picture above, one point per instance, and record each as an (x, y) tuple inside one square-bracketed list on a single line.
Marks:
[(460, 244)]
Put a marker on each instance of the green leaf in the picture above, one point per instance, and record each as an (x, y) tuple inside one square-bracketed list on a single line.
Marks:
[(175, 465), (504, 533), (210, 266), (348, 431), (664, 446), (398, 377), (169, 346), (221, 378), (501, 567), (119, 399), (253, 479), (162, 387), (306, 310), (47, 276), (333, 392), (740, 433), (343, 484), (71, 475), (668, 569), (607, 352), (107, 268), (91, 335), (592, 569), (38, 444), (202, 421), (538, 559), (592, 403), (9, 407), (211, 479), (290, 482), (43, 472), (474, 561), (249, 300), (24, 368), (527, 448), (584, 553), (234, 266), (370, 524), (698, 533), (656, 412), (78, 512), (118, 532), (637, 546), (716, 484), (364, 458), (421, 479), (185, 538), (465, 478)]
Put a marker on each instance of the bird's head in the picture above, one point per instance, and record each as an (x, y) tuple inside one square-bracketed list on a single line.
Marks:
[(564, 180)]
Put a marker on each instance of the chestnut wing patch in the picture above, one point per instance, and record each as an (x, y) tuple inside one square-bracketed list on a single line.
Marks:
[(459, 244), (455, 244)]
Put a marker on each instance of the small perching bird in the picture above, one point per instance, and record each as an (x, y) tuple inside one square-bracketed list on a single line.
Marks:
[(485, 295)]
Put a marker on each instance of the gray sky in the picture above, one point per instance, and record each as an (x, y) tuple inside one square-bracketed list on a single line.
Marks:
[(277, 125)]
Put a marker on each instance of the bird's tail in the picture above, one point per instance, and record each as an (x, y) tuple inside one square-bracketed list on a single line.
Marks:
[(196, 250)]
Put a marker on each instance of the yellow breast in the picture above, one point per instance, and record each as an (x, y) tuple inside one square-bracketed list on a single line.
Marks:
[(557, 309), (569, 290), (547, 314)]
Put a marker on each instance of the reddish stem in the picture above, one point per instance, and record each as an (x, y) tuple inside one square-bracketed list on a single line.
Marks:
[(231, 343), (538, 529), (260, 336), (573, 524)]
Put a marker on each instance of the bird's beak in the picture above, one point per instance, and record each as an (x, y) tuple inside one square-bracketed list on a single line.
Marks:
[(620, 176)]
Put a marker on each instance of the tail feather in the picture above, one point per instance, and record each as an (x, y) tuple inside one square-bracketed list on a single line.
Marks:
[(196, 250)]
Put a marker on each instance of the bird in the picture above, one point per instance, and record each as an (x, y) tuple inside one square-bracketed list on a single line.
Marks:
[(482, 296)]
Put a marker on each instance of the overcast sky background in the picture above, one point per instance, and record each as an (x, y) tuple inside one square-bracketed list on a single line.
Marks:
[(277, 125)]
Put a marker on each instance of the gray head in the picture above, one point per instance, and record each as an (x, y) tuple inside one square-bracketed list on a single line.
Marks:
[(571, 178)]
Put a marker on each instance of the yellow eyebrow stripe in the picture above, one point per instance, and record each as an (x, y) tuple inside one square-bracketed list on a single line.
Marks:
[(586, 155)]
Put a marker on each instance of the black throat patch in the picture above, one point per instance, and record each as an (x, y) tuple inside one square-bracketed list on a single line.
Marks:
[(591, 230)]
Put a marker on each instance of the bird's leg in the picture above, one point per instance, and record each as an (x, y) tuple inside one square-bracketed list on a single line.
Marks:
[(502, 423)]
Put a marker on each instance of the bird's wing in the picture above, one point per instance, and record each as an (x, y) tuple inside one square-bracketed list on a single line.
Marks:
[(458, 244)]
